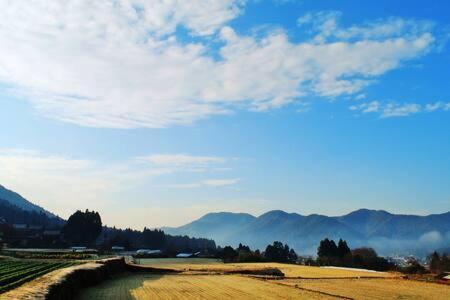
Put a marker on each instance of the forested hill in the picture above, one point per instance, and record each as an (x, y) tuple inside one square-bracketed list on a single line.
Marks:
[(12, 214), (386, 232), (14, 210), (19, 201)]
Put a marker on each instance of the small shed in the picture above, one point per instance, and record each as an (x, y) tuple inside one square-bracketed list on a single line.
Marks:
[(187, 255)]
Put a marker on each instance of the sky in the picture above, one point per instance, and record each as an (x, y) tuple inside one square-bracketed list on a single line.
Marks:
[(157, 112)]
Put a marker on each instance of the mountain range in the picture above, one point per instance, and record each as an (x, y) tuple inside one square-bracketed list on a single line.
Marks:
[(388, 233)]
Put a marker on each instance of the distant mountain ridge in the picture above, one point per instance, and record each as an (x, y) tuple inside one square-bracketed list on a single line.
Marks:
[(15, 199), (388, 233)]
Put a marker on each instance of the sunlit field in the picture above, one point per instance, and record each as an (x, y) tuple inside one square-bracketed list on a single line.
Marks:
[(139, 286), (202, 279), (374, 288), (289, 270)]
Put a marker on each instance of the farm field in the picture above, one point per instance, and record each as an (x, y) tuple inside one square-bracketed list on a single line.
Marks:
[(201, 264), (374, 288), (301, 282), (16, 272), (140, 286)]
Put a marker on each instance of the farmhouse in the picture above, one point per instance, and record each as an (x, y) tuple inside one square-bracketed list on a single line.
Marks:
[(187, 255), (117, 248), (148, 252)]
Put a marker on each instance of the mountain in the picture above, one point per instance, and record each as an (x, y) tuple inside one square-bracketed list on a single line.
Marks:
[(12, 214), (219, 224), (388, 233), (17, 200)]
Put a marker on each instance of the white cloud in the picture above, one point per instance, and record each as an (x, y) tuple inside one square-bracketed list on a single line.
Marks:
[(182, 159), (207, 183), (400, 110), (365, 108), (392, 109), (119, 64), (184, 162), (431, 107), (221, 182), (324, 25)]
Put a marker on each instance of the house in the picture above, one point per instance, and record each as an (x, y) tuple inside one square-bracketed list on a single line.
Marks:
[(20, 226), (148, 252), (78, 249), (187, 255), (51, 232)]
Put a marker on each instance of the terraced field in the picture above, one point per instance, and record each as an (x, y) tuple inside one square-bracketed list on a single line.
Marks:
[(16, 272)]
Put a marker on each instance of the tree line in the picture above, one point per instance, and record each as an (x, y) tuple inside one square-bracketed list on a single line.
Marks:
[(331, 254), (276, 252), (85, 228)]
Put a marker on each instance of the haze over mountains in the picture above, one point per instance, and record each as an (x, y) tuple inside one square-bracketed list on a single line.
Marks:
[(388, 233)]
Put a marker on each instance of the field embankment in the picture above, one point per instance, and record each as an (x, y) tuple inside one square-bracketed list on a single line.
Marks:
[(63, 283)]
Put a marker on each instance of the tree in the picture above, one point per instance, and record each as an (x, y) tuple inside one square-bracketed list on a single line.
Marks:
[(342, 249), (82, 228), (280, 253), (228, 254), (434, 261), (243, 248), (327, 252)]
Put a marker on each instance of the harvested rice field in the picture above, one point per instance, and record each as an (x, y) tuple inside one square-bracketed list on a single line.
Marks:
[(288, 269), (373, 288), (140, 286)]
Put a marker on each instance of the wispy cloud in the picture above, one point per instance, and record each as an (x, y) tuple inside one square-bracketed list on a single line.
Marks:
[(390, 110), (121, 65), (63, 184), (182, 160), (207, 183)]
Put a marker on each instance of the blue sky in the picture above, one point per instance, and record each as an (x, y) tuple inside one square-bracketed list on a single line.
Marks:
[(155, 113)]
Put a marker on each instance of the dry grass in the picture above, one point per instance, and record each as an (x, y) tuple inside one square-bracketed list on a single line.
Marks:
[(373, 288), (139, 286), (288, 269)]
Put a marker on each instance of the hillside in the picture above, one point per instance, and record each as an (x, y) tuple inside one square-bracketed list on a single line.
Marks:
[(387, 233), (11, 214), (19, 201)]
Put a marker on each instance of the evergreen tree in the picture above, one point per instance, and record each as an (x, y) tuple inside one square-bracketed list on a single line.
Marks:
[(82, 228), (435, 262)]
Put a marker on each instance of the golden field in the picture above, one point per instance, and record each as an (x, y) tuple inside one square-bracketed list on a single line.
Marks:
[(373, 288), (203, 279), (289, 270), (140, 286), (211, 279)]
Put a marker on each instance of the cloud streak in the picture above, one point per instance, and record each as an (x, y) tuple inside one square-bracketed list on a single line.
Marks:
[(62, 184), (392, 109)]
